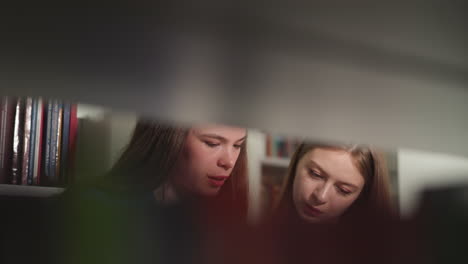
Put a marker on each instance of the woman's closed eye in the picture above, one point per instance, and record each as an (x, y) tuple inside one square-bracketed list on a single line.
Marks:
[(315, 174), (238, 146), (344, 191), (211, 144)]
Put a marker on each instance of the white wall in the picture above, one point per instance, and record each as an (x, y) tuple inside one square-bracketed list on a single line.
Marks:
[(91, 111), (391, 74), (122, 125), (255, 152), (103, 133), (418, 170)]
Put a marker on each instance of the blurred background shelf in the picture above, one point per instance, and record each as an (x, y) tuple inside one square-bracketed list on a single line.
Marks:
[(29, 191)]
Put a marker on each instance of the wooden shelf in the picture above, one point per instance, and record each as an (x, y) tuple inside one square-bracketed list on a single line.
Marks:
[(29, 191), (276, 162)]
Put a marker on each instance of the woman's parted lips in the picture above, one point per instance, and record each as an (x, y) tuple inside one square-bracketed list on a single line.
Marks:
[(312, 210), (218, 177), (217, 180)]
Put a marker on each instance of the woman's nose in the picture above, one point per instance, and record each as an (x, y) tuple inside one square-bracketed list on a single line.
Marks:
[(321, 193), (227, 159)]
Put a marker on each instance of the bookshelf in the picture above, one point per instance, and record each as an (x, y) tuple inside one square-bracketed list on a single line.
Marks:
[(100, 131), (33, 159), (273, 174), (37, 143), (267, 170), (29, 191), (266, 173)]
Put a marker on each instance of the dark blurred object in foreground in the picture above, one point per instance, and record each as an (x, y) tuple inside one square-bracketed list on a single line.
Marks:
[(88, 225), (444, 218)]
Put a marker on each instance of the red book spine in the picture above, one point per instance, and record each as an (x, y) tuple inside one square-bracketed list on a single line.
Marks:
[(268, 146)]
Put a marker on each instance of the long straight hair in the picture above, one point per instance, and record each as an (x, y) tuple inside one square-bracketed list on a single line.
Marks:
[(375, 197), (147, 161)]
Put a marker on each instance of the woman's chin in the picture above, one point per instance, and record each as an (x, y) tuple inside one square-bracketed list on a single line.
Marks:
[(210, 191), (318, 220), (312, 220)]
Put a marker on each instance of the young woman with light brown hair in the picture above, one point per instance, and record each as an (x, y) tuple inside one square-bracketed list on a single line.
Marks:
[(178, 163), (330, 183), (170, 189)]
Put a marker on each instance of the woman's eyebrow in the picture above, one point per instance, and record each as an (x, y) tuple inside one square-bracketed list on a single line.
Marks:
[(242, 139), (223, 139), (313, 163), (348, 184), (214, 136), (324, 172)]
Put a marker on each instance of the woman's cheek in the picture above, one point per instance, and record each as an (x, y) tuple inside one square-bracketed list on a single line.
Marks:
[(301, 188), (345, 203), (307, 184)]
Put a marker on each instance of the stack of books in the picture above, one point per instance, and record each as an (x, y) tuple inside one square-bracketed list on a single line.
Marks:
[(37, 141), (280, 147)]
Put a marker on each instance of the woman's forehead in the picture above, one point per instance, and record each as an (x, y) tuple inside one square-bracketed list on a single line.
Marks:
[(337, 164), (220, 130)]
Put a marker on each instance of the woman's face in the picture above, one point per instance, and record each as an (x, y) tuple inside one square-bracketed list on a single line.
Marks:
[(326, 184), (207, 159)]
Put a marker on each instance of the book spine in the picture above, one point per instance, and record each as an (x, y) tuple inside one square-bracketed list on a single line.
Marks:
[(65, 142), (53, 142), (287, 147), (58, 153), (48, 130), (268, 145), (283, 147), (26, 139), (279, 146), (7, 116), (39, 142), (32, 142), (10, 122), (72, 142), (3, 127), (17, 142), (274, 146)]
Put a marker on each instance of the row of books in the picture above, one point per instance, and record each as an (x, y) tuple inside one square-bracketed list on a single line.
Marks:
[(281, 147), (37, 141)]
